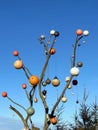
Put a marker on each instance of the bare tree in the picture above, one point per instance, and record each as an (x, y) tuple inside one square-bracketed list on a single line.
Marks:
[(34, 81)]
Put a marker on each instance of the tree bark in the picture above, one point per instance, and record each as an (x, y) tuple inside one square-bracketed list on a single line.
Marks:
[(35, 128), (46, 124)]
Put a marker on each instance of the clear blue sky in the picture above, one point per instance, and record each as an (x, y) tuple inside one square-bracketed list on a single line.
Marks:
[(21, 24)]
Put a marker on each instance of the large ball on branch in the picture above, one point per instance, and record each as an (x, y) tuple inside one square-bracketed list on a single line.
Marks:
[(55, 82), (18, 64), (33, 80), (74, 71), (30, 111)]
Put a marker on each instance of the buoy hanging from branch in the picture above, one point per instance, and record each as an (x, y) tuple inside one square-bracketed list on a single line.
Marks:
[(67, 79), (33, 80), (55, 82), (74, 82), (48, 81), (44, 83), (18, 64), (30, 111), (74, 71), (79, 64), (64, 99)]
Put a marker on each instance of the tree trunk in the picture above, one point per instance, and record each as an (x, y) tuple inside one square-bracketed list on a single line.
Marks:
[(35, 128), (46, 124), (26, 127)]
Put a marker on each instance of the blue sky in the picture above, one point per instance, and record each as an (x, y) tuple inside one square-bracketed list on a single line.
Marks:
[(21, 24), (9, 123)]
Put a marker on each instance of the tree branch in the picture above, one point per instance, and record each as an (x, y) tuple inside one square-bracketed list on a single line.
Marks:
[(42, 75), (65, 88), (16, 103), (17, 112), (60, 97)]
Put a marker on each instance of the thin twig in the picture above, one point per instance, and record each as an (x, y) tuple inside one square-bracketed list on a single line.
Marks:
[(16, 103)]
